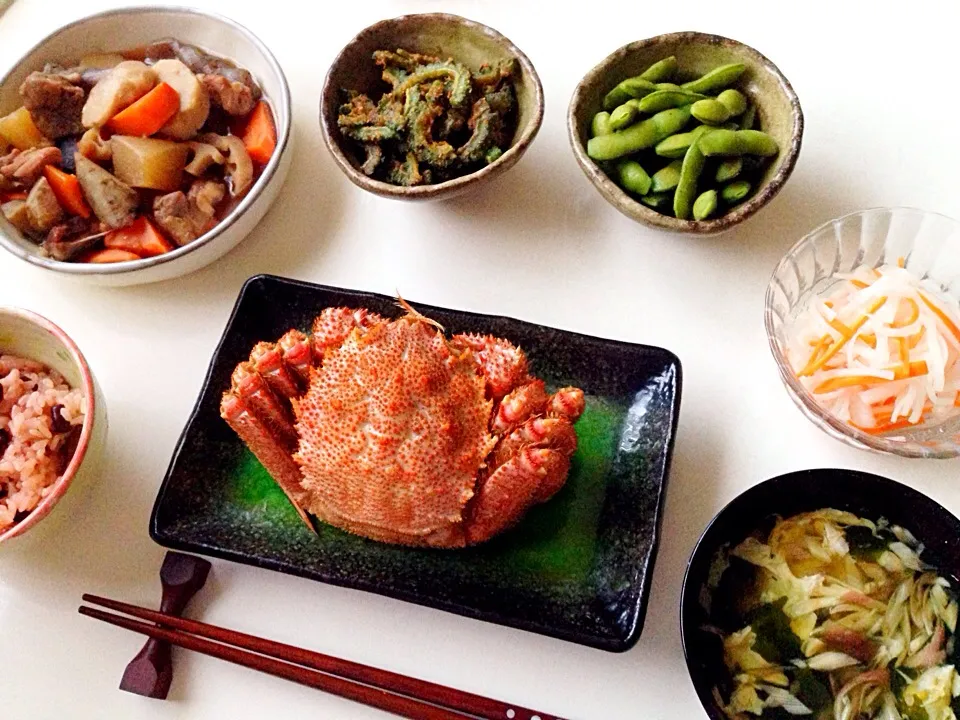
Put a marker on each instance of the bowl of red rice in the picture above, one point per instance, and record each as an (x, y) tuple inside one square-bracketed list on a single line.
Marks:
[(52, 419)]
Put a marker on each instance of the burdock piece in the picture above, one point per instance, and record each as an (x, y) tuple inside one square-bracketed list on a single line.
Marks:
[(151, 671)]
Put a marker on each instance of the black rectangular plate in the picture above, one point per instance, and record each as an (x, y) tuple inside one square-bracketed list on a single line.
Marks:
[(577, 568)]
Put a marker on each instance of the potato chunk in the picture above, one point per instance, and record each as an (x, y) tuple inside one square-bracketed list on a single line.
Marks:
[(123, 85), (194, 99), (17, 129), (149, 162)]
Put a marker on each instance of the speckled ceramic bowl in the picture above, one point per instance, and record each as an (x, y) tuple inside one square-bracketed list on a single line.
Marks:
[(778, 114), (128, 28), (440, 34), (29, 335)]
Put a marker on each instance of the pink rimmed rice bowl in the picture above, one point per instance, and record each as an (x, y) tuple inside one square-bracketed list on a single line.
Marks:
[(52, 419)]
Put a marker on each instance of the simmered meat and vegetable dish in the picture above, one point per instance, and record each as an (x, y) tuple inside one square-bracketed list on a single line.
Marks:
[(435, 121), (131, 155)]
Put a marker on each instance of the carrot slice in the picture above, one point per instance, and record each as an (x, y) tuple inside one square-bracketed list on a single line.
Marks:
[(67, 190), (901, 262), (148, 114), (108, 255), (140, 237), (260, 134)]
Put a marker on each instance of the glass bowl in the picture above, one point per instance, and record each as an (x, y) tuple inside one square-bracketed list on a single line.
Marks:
[(930, 245)]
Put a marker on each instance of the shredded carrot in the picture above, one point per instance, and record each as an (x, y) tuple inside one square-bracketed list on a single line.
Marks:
[(835, 348), (66, 188), (870, 339), (901, 320), (901, 262), (944, 318)]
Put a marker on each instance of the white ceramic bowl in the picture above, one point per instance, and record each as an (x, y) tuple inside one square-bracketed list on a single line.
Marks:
[(26, 334), (131, 27)]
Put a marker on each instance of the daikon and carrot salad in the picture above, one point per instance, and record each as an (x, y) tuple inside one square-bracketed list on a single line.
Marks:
[(880, 350)]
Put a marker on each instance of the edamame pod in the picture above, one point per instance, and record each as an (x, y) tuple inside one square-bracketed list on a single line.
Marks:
[(749, 118), (600, 124), (667, 178), (693, 162), (666, 99), (735, 192), (632, 177), (738, 142), (734, 101), (658, 201), (629, 88), (669, 86), (716, 79), (729, 169), (675, 146), (710, 111), (623, 116), (661, 71), (705, 205), (637, 137)]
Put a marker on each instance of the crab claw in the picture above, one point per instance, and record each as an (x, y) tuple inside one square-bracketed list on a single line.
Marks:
[(567, 402)]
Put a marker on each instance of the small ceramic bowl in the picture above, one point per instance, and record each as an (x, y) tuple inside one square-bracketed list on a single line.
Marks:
[(28, 335), (869, 496), (778, 114), (930, 245), (128, 28), (439, 34)]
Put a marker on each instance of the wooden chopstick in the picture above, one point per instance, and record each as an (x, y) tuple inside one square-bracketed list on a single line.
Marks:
[(362, 683)]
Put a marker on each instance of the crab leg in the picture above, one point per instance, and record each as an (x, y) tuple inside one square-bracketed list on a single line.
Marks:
[(503, 364), (519, 404), (551, 432), (269, 449), (531, 476), (268, 359), (260, 400), (297, 354), (567, 402)]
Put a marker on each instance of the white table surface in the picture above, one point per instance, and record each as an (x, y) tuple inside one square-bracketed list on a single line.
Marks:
[(879, 92)]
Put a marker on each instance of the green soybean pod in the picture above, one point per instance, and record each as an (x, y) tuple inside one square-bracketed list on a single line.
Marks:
[(657, 200), (734, 101), (632, 177), (729, 169), (667, 178), (669, 86), (629, 88), (640, 136), (705, 205), (716, 79), (665, 99), (710, 111), (661, 71), (749, 118), (735, 192), (675, 146), (738, 142), (600, 124), (693, 162), (623, 116)]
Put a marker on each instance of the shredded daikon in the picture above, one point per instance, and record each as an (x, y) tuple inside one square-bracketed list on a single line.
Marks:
[(880, 350)]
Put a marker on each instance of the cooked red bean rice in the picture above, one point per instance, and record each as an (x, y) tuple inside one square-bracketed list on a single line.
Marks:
[(32, 454)]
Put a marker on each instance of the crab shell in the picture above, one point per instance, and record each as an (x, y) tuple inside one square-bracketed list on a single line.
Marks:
[(387, 429)]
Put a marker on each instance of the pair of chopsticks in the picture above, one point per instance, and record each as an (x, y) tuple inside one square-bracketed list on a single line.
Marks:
[(395, 693)]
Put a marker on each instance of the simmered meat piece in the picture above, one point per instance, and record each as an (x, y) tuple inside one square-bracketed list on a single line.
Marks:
[(112, 201), (55, 104), (235, 97), (42, 207), (68, 239), (185, 217), (27, 166)]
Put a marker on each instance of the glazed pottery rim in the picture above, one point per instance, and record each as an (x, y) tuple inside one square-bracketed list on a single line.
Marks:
[(165, 537), (650, 216), (523, 137), (283, 102), (62, 484), (799, 394), (689, 596)]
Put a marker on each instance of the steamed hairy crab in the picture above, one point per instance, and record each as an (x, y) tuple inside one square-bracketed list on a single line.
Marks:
[(389, 430)]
